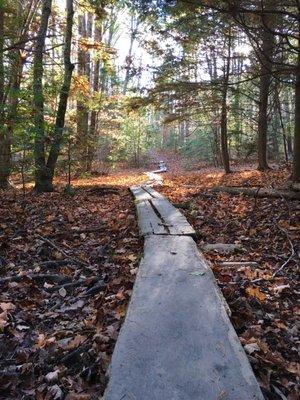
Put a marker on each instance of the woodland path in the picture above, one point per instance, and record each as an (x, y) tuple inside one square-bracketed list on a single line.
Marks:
[(177, 342)]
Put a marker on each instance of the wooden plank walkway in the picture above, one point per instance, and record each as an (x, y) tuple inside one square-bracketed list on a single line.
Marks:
[(156, 215), (177, 342)]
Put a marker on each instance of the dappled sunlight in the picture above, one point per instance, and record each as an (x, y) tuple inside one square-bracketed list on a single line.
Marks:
[(191, 182), (121, 179)]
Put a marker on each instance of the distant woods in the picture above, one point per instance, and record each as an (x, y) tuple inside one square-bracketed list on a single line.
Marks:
[(86, 84)]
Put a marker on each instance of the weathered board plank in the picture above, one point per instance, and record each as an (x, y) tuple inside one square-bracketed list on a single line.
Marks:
[(174, 220), (140, 193), (177, 342), (153, 193), (149, 222)]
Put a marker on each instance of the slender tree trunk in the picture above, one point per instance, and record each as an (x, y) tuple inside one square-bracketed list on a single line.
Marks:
[(133, 33), (41, 173), (94, 113), (5, 152), (1, 63), (264, 89), (63, 98), (5, 156), (224, 128), (296, 159), (8, 116), (278, 107), (83, 70), (213, 72)]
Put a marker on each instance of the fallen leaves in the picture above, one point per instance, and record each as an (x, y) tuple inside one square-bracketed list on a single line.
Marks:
[(69, 264), (264, 307), (256, 292)]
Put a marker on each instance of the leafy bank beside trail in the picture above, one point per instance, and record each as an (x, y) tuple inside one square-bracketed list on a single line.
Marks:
[(265, 311), (67, 269)]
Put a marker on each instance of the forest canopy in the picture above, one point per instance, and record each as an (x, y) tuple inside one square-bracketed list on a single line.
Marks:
[(84, 85)]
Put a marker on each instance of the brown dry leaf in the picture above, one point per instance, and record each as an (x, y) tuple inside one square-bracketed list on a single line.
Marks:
[(121, 311), (255, 292), (7, 306), (120, 295), (3, 320), (280, 324), (78, 396), (77, 341), (42, 340), (294, 368), (132, 257)]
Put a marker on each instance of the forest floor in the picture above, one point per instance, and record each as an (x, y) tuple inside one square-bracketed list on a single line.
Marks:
[(265, 310), (68, 264), (67, 267)]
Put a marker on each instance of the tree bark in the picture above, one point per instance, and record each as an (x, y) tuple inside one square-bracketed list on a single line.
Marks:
[(296, 158), (4, 139), (41, 174), (63, 98), (224, 128), (45, 170), (133, 32), (83, 70), (265, 58), (96, 81)]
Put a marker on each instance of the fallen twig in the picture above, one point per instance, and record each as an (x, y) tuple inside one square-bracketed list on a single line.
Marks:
[(76, 260), (68, 285), (291, 255), (78, 231), (20, 278), (238, 263), (53, 263)]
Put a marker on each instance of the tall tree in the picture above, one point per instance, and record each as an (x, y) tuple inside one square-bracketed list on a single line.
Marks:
[(45, 168), (224, 122), (296, 164), (41, 175), (4, 146), (15, 32), (265, 58)]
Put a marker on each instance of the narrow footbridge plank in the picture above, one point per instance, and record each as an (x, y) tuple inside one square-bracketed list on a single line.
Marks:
[(149, 222), (157, 215), (154, 194), (177, 342), (140, 193), (174, 220)]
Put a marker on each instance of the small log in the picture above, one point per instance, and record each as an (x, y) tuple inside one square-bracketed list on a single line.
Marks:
[(222, 248), (238, 263), (258, 192)]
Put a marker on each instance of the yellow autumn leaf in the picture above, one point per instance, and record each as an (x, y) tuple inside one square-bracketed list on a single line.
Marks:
[(255, 292)]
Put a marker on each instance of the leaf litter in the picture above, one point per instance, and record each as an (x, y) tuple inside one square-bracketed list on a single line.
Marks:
[(67, 268), (263, 297)]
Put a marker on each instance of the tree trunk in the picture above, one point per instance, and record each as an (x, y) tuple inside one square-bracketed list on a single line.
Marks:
[(296, 159), (265, 57), (63, 98), (94, 113), (224, 128), (83, 70), (5, 159), (41, 173), (129, 59)]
